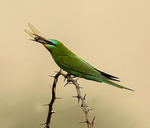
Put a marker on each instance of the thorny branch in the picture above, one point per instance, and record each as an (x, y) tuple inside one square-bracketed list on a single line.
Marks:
[(81, 98), (50, 112)]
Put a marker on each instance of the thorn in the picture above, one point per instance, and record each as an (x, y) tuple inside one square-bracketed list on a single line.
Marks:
[(93, 120), (90, 109), (84, 96), (51, 76), (66, 84), (50, 86), (53, 111), (77, 86), (81, 87), (78, 78), (83, 122), (75, 96), (64, 79), (46, 105), (44, 124), (58, 98)]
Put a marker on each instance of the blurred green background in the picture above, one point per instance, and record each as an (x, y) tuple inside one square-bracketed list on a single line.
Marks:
[(113, 36)]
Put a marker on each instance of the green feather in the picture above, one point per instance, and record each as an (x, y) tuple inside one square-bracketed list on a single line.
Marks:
[(71, 63)]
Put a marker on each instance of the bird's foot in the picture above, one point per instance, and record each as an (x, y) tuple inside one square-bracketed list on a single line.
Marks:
[(69, 75)]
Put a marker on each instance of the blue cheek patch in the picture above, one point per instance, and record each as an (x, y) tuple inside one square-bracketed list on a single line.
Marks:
[(53, 41)]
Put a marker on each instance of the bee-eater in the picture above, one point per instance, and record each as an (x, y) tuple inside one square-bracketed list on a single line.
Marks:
[(70, 62)]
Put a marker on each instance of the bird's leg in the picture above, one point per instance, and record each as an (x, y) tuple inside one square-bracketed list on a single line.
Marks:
[(69, 75), (66, 77)]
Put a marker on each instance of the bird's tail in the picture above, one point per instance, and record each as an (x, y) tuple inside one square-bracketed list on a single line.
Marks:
[(115, 84)]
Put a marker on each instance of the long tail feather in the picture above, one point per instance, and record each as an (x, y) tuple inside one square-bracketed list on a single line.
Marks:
[(110, 77), (116, 85)]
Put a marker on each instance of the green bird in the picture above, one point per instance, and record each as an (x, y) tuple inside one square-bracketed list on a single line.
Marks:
[(71, 63)]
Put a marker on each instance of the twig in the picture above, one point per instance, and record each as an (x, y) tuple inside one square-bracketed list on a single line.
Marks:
[(50, 112), (81, 98)]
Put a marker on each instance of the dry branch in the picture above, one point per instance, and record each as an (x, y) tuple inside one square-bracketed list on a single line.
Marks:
[(50, 112), (81, 98)]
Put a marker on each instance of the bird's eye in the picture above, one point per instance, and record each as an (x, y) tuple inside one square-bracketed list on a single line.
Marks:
[(48, 42)]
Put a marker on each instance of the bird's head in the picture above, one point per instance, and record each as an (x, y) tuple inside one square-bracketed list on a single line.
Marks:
[(50, 44)]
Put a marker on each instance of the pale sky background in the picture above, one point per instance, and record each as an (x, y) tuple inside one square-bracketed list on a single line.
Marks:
[(113, 36)]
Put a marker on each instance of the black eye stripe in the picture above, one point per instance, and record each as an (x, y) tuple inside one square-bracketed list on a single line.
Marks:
[(50, 43)]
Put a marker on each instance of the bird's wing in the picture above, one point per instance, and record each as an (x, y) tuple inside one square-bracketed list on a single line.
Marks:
[(77, 64)]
